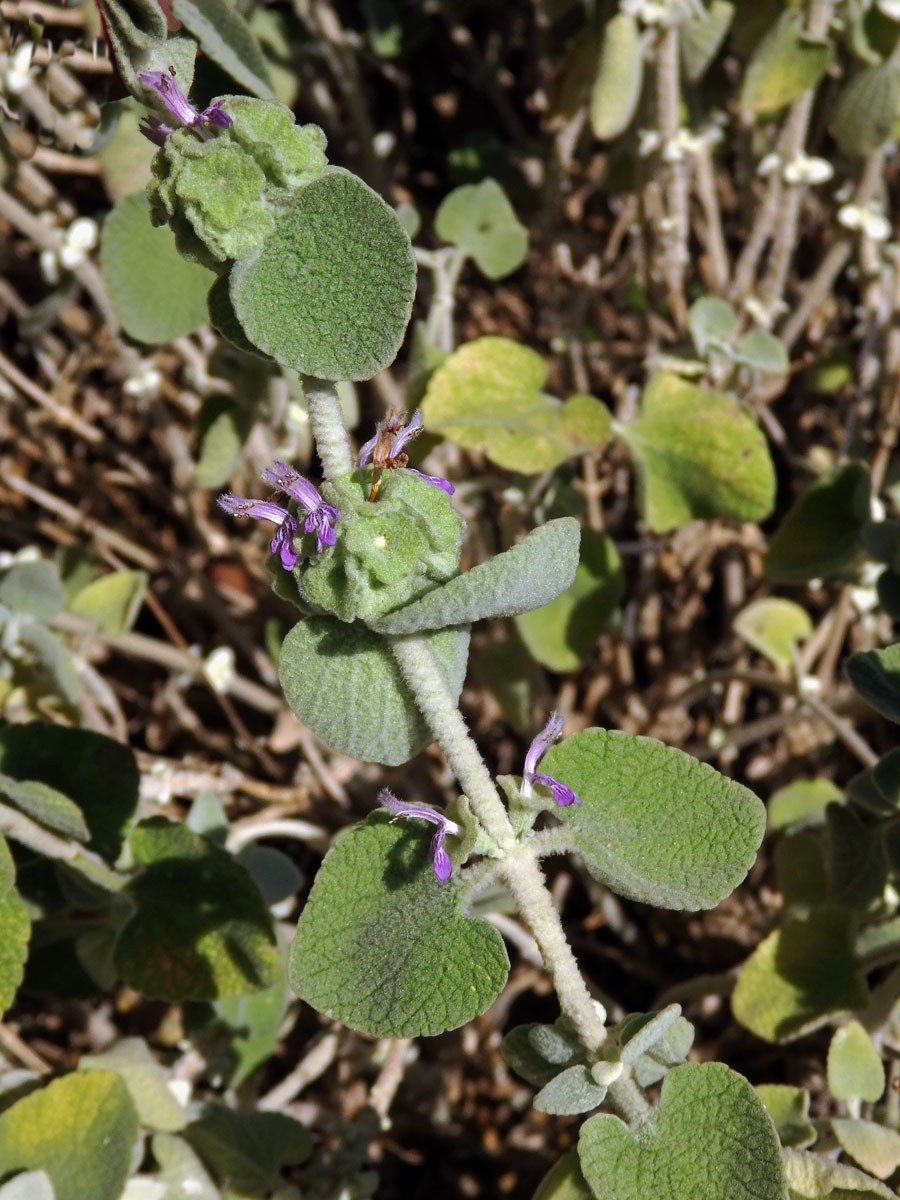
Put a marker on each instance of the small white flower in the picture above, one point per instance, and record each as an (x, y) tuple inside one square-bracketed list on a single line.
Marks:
[(649, 141), (769, 164), (870, 221), (805, 169), (19, 72), (78, 240), (219, 668), (146, 382)]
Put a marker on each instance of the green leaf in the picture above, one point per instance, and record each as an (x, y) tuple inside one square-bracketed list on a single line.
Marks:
[(46, 805), (710, 1139), (800, 977), (654, 824), (812, 1177), (247, 1150), (875, 674), (572, 1091), (155, 293), (762, 351), (539, 1052), (34, 588), (800, 870), (774, 626), (223, 424), (141, 22), (789, 1109), (701, 38), (95, 772), (341, 681), (226, 38), (802, 802), (560, 635), (201, 928), (520, 579), (711, 322), (868, 109), (699, 455), (875, 1148), (387, 949), (146, 1080), (620, 74), (112, 602), (80, 1129), (857, 865), (181, 1170), (487, 397), (7, 868), (330, 290), (15, 930), (822, 532), (479, 219), (855, 1069), (52, 659), (784, 64), (564, 1181)]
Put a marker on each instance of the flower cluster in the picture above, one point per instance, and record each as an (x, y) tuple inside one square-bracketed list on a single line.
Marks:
[(387, 448), (320, 517), (180, 108)]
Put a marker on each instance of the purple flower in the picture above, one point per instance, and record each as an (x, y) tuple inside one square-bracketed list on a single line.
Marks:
[(320, 516), (563, 795), (387, 448), (264, 510), (180, 108), (439, 856)]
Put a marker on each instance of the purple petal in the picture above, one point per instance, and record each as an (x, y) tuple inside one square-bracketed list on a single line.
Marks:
[(444, 484), (282, 476), (562, 794), (260, 510), (283, 543), (172, 96), (154, 129), (368, 448), (443, 868), (541, 745), (406, 434), (216, 115), (439, 857)]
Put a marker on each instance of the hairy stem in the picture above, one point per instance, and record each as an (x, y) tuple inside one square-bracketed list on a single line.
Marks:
[(328, 426), (675, 173)]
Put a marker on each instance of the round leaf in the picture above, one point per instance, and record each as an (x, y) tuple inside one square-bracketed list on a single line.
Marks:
[(155, 293), (774, 626), (80, 1129), (384, 947), (330, 290), (822, 532), (784, 64), (479, 219), (710, 1138), (874, 674), (654, 824), (341, 680), (855, 1069)]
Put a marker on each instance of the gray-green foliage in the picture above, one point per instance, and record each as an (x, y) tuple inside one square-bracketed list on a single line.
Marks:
[(619, 76), (654, 824), (227, 40), (822, 533), (384, 947), (388, 552), (341, 680), (479, 219), (876, 676), (710, 1138)]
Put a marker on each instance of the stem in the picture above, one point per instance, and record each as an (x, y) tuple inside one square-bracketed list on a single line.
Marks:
[(446, 266), (675, 174), (328, 426)]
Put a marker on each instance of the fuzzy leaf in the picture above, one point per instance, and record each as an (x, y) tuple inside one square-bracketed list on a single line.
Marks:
[(822, 532), (98, 774), (341, 680), (520, 579), (875, 1148), (222, 428), (868, 109), (225, 37), (802, 802), (762, 351), (654, 824), (855, 1069), (572, 1091), (248, 1149), (799, 977), (709, 1139), (560, 635), (387, 949), (711, 321), (875, 674), (201, 929), (774, 626), (701, 38), (564, 1181), (46, 805), (155, 293), (789, 1109), (539, 1052), (784, 64), (34, 588), (479, 219), (699, 455), (182, 1170), (146, 1080), (80, 1129), (330, 290), (812, 1177), (619, 77), (15, 931), (487, 397), (112, 602)]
